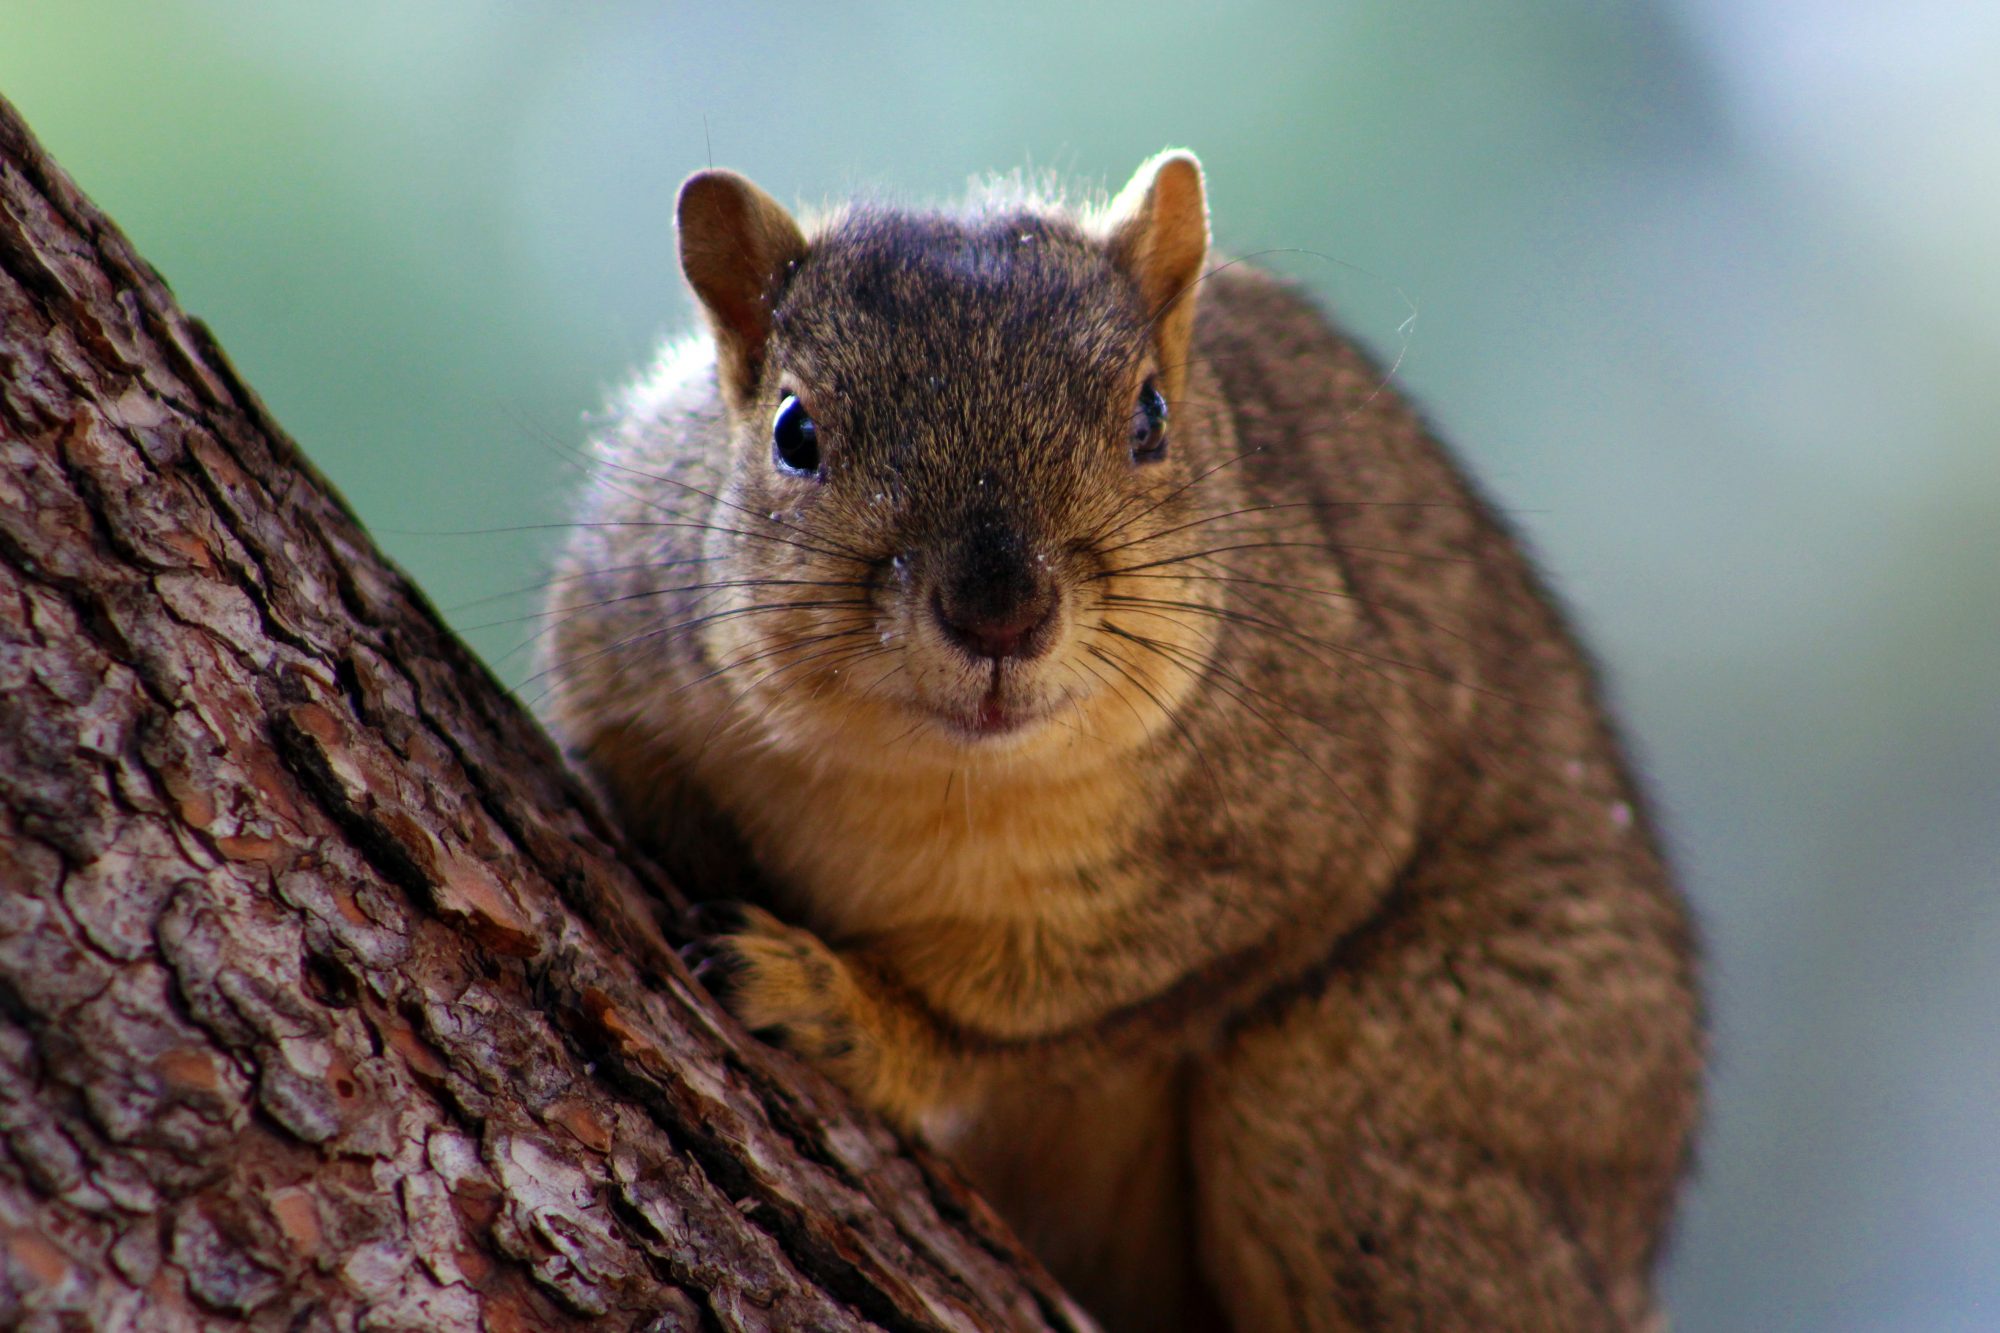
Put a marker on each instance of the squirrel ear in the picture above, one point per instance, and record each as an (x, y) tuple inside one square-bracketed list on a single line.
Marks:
[(736, 244), (1157, 229)]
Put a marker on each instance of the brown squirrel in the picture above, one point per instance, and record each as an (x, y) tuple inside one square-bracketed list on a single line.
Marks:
[(1160, 780)]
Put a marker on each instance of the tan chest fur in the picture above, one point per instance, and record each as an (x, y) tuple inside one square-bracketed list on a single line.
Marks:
[(862, 849)]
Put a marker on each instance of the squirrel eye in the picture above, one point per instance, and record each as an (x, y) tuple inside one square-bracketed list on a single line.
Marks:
[(794, 439), (1149, 425)]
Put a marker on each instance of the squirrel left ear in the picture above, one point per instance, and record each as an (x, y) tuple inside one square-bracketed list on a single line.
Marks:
[(1157, 230), (736, 243)]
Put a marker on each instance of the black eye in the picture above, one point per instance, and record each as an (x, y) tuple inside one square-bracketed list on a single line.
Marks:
[(1149, 426), (794, 439)]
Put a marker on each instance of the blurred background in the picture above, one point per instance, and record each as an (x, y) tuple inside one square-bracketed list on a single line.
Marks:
[(1707, 291)]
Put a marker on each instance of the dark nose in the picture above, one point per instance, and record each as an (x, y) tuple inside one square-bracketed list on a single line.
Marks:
[(995, 596), (1001, 626)]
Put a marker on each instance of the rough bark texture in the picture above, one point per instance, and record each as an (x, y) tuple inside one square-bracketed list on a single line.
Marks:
[(327, 999)]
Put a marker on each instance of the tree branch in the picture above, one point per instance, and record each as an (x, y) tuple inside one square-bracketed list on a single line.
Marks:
[(328, 999)]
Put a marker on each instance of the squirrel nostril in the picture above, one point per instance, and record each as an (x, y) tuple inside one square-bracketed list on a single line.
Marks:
[(997, 631)]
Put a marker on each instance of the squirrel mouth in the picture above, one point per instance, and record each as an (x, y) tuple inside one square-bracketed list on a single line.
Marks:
[(993, 715)]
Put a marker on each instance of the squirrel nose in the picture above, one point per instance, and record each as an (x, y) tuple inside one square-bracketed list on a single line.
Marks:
[(998, 628)]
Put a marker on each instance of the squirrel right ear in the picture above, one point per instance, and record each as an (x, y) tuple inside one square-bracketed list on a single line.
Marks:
[(736, 244), (1158, 233)]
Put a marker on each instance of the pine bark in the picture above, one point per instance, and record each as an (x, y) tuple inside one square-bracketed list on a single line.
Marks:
[(328, 999)]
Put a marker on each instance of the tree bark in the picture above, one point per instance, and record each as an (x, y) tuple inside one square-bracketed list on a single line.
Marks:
[(328, 999)]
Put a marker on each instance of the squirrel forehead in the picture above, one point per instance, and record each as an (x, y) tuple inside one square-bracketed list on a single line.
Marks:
[(1021, 288)]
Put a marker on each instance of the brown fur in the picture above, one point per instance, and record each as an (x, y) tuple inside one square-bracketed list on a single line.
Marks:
[(1299, 956)]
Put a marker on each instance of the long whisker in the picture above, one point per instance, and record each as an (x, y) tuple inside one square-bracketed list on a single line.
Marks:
[(662, 631), (1171, 612), (850, 552), (1317, 505), (1366, 552), (841, 653), (694, 622), (1290, 634), (596, 466), (741, 662), (582, 576), (648, 524), (1238, 690), (1304, 592), (1201, 756), (647, 594), (1173, 495)]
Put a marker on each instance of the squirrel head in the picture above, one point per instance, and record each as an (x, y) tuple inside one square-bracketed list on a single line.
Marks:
[(953, 438)]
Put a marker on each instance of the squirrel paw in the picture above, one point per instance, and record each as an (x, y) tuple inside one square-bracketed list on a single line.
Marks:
[(787, 986)]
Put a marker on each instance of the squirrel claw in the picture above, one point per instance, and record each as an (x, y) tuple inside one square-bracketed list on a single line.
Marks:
[(699, 957), (710, 954)]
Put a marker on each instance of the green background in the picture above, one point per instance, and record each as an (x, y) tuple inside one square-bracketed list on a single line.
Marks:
[(1707, 291)]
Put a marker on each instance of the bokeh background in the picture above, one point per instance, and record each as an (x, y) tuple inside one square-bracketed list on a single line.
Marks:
[(1708, 291)]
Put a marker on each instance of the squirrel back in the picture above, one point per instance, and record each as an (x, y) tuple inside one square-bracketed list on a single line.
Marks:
[(1157, 776)]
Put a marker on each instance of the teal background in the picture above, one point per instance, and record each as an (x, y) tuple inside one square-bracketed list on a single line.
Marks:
[(1707, 291)]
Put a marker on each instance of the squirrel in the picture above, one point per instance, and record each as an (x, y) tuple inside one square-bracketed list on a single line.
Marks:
[(1156, 777)]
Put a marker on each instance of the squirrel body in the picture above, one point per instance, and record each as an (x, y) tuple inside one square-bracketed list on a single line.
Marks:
[(1157, 778)]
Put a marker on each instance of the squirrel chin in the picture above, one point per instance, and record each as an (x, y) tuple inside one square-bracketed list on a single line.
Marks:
[(1000, 711), (991, 720), (912, 734)]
